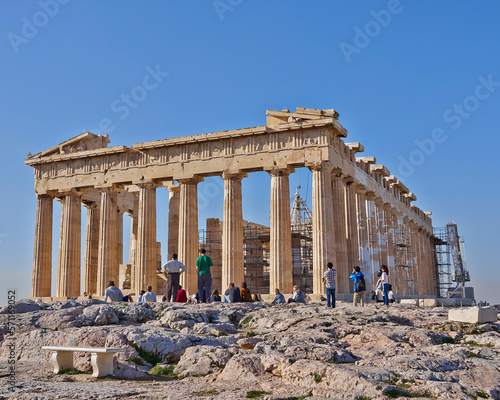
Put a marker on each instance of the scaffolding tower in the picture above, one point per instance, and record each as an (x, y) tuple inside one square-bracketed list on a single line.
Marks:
[(442, 258), (403, 260)]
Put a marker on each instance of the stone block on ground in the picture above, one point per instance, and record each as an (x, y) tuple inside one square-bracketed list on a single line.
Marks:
[(409, 302), (473, 314), (427, 302)]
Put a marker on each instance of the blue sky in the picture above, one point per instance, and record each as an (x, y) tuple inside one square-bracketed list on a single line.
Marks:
[(416, 82)]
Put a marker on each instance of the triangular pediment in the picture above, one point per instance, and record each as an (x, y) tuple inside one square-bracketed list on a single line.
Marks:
[(83, 142)]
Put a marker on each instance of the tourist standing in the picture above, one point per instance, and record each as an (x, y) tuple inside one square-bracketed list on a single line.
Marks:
[(330, 275), (173, 269), (359, 286), (113, 293), (203, 265), (149, 296), (384, 279)]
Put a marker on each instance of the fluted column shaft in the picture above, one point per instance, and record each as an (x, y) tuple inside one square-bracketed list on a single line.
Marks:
[(352, 228), (173, 219), (381, 233), (280, 257), (232, 231), (323, 226), (91, 249), (145, 271), (188, 232), (42, 255), (371, 226), (339, 222), (107, 263), (119, 238), (68, 271), (364, 248), (389, 234), (132, 255)]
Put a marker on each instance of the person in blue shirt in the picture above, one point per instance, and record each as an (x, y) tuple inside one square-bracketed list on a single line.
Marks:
[(358, 294), (278, 297)]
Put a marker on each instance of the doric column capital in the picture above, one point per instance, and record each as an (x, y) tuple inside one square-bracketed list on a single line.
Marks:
[(349, 181), (47, 196), (370, 196), (280, 171), (191, 181), (173, 187), (239, 175), (71, 192), (360, 189), (90, 205), (147, 185), (379, 202)]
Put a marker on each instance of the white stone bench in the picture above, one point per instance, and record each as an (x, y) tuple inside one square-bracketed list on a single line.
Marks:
[(101, 358)]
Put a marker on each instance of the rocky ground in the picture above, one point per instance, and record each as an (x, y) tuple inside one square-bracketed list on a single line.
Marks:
[(239, 351)]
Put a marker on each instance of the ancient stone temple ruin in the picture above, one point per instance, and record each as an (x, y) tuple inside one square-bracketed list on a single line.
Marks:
[(361, 214)]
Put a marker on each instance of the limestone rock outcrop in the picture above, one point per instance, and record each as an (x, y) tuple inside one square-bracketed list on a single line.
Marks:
[(231, 351)]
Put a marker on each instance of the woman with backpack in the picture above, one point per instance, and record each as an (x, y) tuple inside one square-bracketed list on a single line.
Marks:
[(359, 286)]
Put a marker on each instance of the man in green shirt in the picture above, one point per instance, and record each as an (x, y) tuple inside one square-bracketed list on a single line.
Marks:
[(203, 265)]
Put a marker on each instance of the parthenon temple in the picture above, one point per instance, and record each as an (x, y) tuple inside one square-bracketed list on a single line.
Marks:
[(361, 214)]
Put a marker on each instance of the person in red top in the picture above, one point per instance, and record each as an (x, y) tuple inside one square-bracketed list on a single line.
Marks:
[(181, 295)]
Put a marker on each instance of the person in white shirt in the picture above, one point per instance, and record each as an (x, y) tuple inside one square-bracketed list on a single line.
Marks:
[(173, 270), (384, 279), (149, 296), (113, 293)]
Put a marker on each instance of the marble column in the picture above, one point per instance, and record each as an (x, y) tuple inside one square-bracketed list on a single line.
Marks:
[(232, 231), (132, 255), (42, 258), (107, 265), (119, 238), (188, 232), (280, 257), (339, 222), (381, 233), (323, 225), (389, 235), (371, 226), (364, 247), (91, 248), (145, 271), (173, 219), (68, 271), (429, 258), (352, 228)]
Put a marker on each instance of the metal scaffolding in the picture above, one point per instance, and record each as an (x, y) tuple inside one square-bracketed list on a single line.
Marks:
[(442, 257), (404, 260)]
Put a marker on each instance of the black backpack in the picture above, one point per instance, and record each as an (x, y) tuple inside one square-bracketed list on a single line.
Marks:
[(360, 284)]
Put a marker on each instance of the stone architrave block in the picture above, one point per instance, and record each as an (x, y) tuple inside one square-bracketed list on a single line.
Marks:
[(473, 314)]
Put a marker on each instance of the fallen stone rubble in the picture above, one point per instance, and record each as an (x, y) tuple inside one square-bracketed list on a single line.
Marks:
[(252, 350)]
